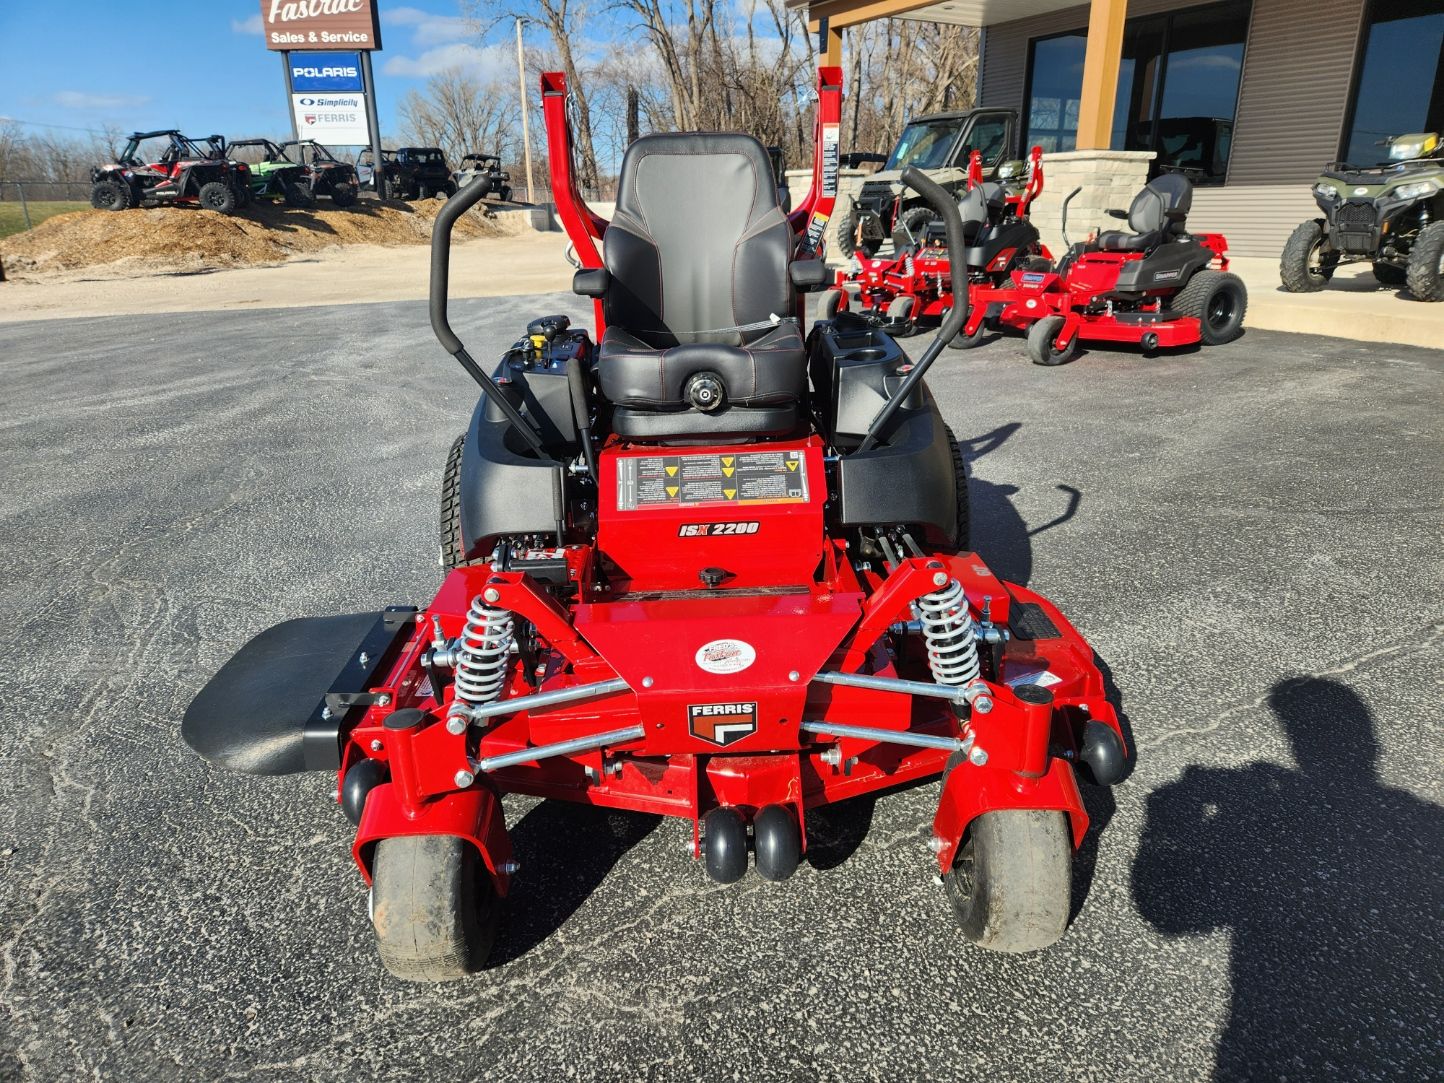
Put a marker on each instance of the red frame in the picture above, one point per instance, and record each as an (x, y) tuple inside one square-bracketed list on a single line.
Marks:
[(634, 610)]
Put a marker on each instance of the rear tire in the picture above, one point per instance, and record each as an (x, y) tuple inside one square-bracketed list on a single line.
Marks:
[(962, 537), (1306, 264), (1010, 885), (343, 195), (433, 906), (218, 196), (1386, 274), (847, 235), (453, 551), (1426, 264), (1040, 343), (110, 195), (297, 195), (916, 221), (1219, 301)]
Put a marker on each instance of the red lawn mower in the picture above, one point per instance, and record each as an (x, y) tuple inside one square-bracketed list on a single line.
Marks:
[(915, 283), (1153, 285), (697, 566)]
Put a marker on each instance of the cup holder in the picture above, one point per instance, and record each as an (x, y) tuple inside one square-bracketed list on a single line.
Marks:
[(867, 353)]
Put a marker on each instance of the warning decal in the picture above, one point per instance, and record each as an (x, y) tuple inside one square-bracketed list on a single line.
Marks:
[(752, 477)]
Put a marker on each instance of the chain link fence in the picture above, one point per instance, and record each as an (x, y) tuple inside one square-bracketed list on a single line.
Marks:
[(43, 194)]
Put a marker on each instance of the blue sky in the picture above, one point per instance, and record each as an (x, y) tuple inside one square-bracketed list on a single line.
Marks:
[(200, 65)]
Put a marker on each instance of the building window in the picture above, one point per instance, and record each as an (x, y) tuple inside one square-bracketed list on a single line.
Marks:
[(1055, 81), (1177, 88), (1400, 88)]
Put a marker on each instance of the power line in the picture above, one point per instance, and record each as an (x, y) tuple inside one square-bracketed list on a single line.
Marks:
[(63, 127)]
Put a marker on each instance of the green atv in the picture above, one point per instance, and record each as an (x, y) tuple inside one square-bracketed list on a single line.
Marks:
[(272, 174), (1391, 213)]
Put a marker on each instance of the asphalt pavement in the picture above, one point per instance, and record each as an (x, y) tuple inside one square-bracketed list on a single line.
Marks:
[(1250, 537)]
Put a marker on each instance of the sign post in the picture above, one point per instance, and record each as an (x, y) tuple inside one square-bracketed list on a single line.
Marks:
[(335, 98)]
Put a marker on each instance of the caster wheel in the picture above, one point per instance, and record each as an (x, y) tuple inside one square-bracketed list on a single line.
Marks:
[(777, 842), (1010, 885), (1040, 343), (724, 845), (433, 907)]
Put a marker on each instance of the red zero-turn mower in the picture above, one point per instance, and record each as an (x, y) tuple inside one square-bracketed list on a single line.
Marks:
[(914, 284), (1153, 285), (748, 595)]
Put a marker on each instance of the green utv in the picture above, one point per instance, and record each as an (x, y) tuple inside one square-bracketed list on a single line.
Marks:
[(1391, 213), (272, 174)]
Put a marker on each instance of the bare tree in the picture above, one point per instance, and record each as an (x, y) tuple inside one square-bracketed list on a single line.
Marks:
[(458, 114)]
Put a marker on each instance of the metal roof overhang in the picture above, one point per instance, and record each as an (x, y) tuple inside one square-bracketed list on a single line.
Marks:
[(843, 13)]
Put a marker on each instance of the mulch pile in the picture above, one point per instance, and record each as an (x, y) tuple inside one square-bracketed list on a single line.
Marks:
[(185, 238)]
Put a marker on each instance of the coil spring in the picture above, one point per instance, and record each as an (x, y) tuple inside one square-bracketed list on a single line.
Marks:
[(482, 653), (949, 634)]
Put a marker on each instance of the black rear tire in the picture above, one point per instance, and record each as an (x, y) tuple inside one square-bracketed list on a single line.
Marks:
[(453, 551), (1010, 884), (916, 221), (343, 195), (962, 536), (847, 242), (1219, 301), (110, 195), (1386, 274), (218, 196), (433, 906), (1426, 264), (1040, 343), (297, 195), (1307, 264)]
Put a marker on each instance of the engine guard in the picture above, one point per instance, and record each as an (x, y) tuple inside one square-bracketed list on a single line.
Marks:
[(278, 706)]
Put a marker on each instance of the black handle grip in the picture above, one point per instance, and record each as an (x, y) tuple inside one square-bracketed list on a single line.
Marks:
[(939, 200), (468, 197)]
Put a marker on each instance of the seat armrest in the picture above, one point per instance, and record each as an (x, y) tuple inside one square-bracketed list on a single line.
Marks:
[(1114, 212), (1175, 215), (591, 282), (808, 274)]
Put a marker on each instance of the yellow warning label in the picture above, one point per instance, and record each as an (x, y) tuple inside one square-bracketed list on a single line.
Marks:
[(741, 478)]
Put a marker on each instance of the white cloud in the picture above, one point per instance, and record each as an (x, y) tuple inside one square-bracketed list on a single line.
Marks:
[(429, 29), (1205, 62), (247, 26), (483, 63), (80, 99)]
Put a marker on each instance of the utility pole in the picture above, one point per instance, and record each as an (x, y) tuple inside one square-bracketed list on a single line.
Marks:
[(525, 123)]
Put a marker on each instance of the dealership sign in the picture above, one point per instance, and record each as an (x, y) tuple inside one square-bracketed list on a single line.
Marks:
[(326, 71), (336, 119), (320, 24)]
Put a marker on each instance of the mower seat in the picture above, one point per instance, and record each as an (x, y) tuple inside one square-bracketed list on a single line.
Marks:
[(1155, 216), (697, 295), (981, 207)]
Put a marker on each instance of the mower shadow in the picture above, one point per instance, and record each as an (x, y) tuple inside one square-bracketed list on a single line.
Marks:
[(834, 832), (565, 851), (1331, 884), (1001, 536)]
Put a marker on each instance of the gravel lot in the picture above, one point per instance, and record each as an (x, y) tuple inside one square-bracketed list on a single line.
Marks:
[(1254, 549)]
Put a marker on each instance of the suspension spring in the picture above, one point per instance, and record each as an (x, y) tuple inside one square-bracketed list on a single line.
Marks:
[(949, 634), (482, 653)]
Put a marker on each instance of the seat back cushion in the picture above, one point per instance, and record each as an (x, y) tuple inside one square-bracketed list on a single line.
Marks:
[(1170, 192), (698, 243)]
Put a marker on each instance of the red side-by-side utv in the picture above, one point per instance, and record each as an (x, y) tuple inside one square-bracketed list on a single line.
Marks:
[(698, 564)]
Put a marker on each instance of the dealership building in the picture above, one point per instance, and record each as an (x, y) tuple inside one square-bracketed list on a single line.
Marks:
[(1250, 98)]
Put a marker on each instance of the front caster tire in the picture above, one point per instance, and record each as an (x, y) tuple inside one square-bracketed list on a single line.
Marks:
[(1010, 884), (1425, 275), (830, 303), (1040, 343), (433, 906), (724, 845), (777, 843)]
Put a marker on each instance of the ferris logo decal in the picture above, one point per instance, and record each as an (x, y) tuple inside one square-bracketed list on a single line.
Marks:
[(721, 723), (712, 530)]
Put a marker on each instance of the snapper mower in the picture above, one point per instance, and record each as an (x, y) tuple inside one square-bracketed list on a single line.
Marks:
[(915, 284), (1153, 285), (749, 594)]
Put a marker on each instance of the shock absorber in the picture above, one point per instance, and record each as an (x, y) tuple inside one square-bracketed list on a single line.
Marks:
[(949, 634), (480, 655)]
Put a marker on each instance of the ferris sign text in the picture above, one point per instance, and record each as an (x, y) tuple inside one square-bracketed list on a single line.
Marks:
[(320, 24)]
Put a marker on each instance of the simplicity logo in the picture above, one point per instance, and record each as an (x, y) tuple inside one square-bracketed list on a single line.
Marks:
[(341, 103)]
